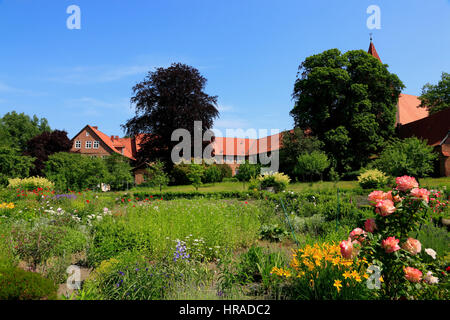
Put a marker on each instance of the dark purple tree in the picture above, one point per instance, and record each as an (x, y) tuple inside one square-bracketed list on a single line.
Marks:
[(168, 99), (44, 145)]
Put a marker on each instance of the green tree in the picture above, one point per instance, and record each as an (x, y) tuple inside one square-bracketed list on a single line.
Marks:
[(410, 156), (13, 164), (349, 102), (212, 174), (295, 143), (75, 171), (436, 97), (119, 169), (195, 174), (16, 129), (247, 171), (312, 164), (157, 175)]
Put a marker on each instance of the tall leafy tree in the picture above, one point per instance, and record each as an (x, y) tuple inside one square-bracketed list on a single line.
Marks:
[(13, 164), (349, 102), (436, 97), (168, 99), (295, 143), (17, 128), (120, 171), (45, 144)]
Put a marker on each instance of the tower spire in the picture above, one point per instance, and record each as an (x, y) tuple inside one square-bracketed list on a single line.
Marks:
[(372, 51)]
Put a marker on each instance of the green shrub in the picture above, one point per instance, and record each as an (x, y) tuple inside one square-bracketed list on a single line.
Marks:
[(410, 156), (179, 174), (71, 171), (17, 284), (247, 171), (119, 169), (30, 184), (256, 265), (195, 175), (212, 174), (311, 165), (225, 171), (278, 181), (372, 179), (272, 232), (233, 179)]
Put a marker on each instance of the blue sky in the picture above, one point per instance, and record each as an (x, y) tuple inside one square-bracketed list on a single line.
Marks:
[(248, 50)]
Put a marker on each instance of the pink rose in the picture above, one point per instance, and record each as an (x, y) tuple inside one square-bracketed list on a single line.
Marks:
[(349, 248), (370, 225), (406, 183), (420, 193), (376, 196), (395, 198), (413, 246), (385, 207), (413, 274), (390, 244), (357, 234)]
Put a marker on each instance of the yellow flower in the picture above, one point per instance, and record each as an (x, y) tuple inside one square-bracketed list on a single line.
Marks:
[(355, 274), (366, 276), (347, 274), (338, 285)]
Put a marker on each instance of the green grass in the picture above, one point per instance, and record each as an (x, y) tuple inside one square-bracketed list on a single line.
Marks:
[(296, 187), (208, 227)]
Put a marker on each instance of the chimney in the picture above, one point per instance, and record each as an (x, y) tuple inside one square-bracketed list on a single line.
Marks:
[(112, 138), (117, 137), (95, 127)]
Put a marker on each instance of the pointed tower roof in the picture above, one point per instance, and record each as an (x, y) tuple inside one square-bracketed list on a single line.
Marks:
[(372, 51)]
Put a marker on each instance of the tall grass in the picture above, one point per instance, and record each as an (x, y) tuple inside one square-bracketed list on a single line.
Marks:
[(206, 225)]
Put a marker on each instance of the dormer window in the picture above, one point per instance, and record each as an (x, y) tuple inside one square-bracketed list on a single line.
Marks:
[(77, 144)]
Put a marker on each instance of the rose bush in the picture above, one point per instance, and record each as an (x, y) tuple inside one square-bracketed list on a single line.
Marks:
[(387, 244)]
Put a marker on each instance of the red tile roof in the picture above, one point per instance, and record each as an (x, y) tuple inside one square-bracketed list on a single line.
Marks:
[(408, 109), (373, 51), (116, 145)]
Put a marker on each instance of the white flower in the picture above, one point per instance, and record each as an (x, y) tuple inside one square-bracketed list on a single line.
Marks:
[(431, 252), (430, 279)]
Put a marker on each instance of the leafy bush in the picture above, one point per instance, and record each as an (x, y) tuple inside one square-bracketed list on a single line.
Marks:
[(179, 174), (13, 164), (156, 175), (71, 171), (212, 174), (410, 156), (372, 179), (310, 165), (272, 232), (256, 265), (31, 183), (246, 171), (17, 284), (225, 171), (195, 175), (119, 169), (277, 180)]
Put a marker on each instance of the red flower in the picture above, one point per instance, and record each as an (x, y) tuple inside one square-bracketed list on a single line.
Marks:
[(447, 269), (87, 201)]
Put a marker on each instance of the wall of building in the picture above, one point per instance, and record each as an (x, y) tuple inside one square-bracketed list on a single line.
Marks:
[(103, 149)]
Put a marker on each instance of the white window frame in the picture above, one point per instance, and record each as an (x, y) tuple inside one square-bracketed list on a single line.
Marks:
[(88, 145), (87, 134), (96, 144), (77, 144)]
